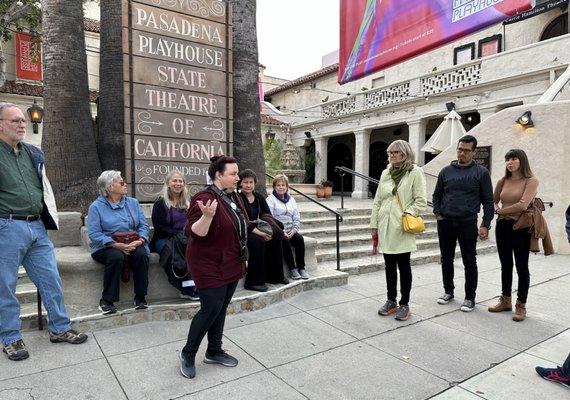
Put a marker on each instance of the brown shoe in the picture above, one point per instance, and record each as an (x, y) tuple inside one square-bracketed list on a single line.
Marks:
[(520, 311), (504, 304)]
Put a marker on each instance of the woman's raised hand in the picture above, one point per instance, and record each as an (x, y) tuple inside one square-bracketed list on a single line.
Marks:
[(208, 209)]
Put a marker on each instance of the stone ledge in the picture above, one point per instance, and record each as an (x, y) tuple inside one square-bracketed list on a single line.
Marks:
[(243, 301)]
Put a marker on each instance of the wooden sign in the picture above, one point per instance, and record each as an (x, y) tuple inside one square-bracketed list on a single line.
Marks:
[(178, 85)]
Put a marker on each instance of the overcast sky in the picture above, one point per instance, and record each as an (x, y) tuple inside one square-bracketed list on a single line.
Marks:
[(293, 35)]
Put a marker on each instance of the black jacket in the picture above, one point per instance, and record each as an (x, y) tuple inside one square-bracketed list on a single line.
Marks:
[(161, 222), (568, 222), (460, 191)]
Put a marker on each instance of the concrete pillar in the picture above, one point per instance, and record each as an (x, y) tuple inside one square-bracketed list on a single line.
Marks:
[(361, 163), (321, 151), (485, 113), (417, 138)]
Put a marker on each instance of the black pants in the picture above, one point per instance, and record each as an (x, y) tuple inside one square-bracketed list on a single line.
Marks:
[(210, 318), (274, 261), (450, 232), (395, 262), (256, 262), (511, 241), (298, 243), (113, 260)]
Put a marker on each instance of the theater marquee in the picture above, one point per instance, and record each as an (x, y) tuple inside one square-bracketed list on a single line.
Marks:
[(178, 89)]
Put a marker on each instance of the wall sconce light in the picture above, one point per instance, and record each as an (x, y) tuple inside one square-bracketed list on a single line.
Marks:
[(297, 91), (36, 114), (308, 134), (525, 120), (450, 105), (269, 135)]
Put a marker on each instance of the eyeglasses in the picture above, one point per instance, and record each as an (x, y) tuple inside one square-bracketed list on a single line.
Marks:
[(466, 151), (393, 153), (122, 183), (15, 121)]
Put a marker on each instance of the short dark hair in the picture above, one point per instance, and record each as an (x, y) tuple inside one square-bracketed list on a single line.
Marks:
[(247, 173), (468, 139), (218, 164), (524, 167)]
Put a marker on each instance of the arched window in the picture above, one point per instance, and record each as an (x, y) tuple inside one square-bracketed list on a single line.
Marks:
[(559, 26)]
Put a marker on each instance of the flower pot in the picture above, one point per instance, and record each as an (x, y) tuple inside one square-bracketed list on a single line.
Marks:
[(328, 191), (320, 192)]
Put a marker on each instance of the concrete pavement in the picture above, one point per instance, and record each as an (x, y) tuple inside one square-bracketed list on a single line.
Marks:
[(327, 344)]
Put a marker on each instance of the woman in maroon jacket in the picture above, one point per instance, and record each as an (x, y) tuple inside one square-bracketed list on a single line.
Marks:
[(216, 255)]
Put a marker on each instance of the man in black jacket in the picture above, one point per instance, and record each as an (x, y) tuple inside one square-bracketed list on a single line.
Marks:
[(460, 190)]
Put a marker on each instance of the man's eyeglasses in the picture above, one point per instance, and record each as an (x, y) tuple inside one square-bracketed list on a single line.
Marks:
[(466, 151), (15, 121)]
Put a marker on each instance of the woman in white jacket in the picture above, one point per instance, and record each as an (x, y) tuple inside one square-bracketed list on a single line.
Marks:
[(284, 209)]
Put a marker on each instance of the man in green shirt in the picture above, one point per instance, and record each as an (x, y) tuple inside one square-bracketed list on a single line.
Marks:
[(27, 208)]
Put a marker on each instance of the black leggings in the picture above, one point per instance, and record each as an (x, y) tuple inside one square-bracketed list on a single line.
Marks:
[(395, 262), (511, 241), (209, 319)]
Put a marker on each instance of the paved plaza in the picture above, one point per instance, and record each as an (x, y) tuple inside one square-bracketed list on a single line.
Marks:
[(327, 344)]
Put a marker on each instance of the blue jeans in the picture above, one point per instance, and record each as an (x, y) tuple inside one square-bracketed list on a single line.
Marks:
[(27, 243)]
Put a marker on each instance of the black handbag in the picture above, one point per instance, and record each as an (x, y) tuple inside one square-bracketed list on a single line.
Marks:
[(263, 226)]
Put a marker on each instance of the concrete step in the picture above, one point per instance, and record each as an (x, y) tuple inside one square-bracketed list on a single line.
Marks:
[(23, 276), (26, 293), (359, 238), (324, 213), (330, 231), (351, 252), (372, 263), (330, 220)]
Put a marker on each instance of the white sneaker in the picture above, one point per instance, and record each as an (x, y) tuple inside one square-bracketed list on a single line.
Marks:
[(304, 274), (295, 274)]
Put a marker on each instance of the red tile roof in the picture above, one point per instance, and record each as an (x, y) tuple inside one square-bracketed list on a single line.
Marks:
[(304, 79), (268, 120), (27, 89), (91, 25)]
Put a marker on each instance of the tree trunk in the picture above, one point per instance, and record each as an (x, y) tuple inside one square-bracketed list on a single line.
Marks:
[(71, 155), (247, 121), (111, 114)]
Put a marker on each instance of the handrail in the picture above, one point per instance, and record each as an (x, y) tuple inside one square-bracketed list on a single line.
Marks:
[(343, 171), (338, 218)]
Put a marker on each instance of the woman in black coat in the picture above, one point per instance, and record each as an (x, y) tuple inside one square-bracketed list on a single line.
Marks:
[(265, 252)]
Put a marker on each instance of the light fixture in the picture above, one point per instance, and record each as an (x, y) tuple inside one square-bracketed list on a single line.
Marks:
[(270, 135), (36, 114), (470, 118), (525, 120), (308, 134), (296, 91), (450, 105)]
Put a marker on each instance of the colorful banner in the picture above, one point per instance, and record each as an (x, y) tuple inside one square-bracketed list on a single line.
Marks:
[(28, 57), (538, 9), (375, 34)]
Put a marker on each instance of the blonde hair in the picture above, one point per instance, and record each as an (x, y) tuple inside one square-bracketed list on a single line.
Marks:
[(406, 149), (183, 202), (280, 178)]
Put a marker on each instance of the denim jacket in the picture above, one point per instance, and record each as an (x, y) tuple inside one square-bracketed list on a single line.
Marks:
[(106, 218)]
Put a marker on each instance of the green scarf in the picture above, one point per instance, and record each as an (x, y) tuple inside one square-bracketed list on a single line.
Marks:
[(397, 173)]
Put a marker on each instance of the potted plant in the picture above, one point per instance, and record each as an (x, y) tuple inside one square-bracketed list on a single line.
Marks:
[(320, 191), (328, 187)]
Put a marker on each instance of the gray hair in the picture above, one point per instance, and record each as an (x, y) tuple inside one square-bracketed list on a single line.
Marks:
[(4, 106), (184, 200), (406, 149), (105, 181)]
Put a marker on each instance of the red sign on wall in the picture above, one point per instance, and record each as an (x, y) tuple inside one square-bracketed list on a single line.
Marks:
[(28, 57)]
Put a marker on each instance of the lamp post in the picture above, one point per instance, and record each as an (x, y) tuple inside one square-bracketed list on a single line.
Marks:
[(36, 114), (269, 135)]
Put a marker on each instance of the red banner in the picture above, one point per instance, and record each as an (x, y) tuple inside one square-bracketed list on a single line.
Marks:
[(28, 57), (375, 34)]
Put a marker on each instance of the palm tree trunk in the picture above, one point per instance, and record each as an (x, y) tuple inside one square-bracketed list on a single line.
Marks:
[(71, 155), (111, 115), (247, 121)]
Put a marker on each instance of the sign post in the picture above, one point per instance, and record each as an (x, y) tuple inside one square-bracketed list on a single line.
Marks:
[(178, 90)]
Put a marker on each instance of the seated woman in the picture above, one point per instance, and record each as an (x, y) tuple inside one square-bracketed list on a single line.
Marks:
[(284, 209), (263, 265), (111, 216), (169, 218)]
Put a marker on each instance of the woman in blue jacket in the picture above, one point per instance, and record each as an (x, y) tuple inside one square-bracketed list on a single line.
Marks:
[(110, 213)]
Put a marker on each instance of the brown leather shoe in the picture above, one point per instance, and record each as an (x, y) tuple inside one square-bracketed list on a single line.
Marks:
[(520, 311), (504, 304)]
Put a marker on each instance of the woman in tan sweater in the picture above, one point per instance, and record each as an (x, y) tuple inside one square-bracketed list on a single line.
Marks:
[(513, 194)]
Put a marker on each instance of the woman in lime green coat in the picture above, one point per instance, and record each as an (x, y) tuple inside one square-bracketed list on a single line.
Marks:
[(406, 179)]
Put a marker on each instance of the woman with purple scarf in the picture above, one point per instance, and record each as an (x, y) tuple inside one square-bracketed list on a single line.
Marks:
[(284, 208)]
